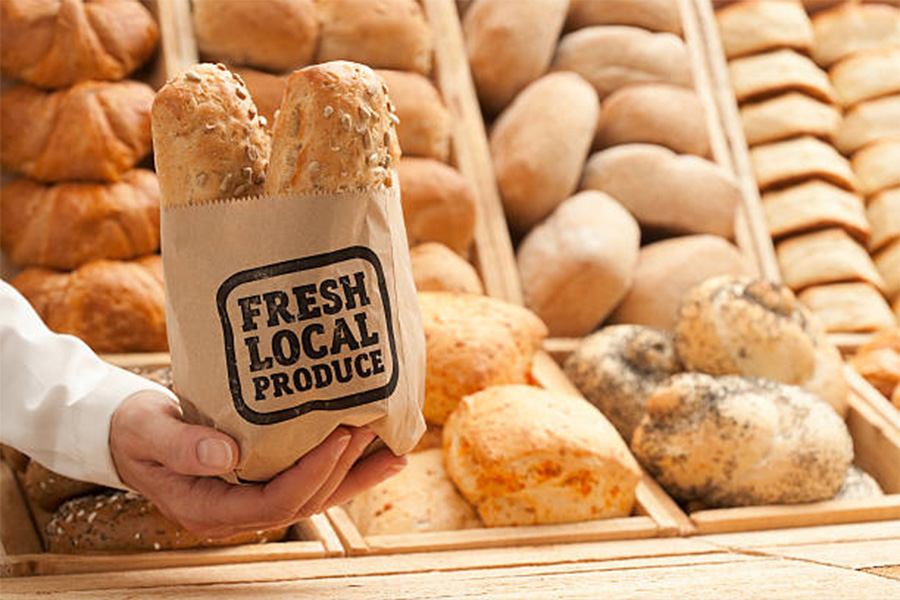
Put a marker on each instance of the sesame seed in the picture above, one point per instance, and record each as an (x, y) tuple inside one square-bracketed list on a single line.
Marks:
[(251, 112), (43, 485), (79, 514), (98, 505), (335, 148), (210, 126), (394, 119), (156, 546), (70, 518), (262, 121), (252, 153), (191, 76), (221, 67), (328, 111), (361, 127), (91, 517), (226, 181), (137, 536), (346, 121), (313, 166), (240, 93), (246, 172), (372, 158), (59, 531), (371, 89), (201, 178)]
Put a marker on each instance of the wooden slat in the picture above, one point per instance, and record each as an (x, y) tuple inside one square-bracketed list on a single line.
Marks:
[(820, 535), (854, 555), (318, 528), (876, 444)]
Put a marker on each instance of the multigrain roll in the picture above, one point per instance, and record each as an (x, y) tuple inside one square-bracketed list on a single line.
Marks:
[(735, 441), (539, 145), (787, 116), (814, 205), (867, 75), (869, 122), (763, 75), (473, 342), (752, 27), (265, 89), (278, 35), (827, 256), (742, 326), (438, 204), (655, 15), (437, 268), (527, 456), (509, 45), (792, 161), (48, 489), (424, 127), (654, 113), (612, 57), (579, 263), (661, 278), (383, 34), (878, 166), (420, 498), (848, 307), (852, 27), (618, 368)]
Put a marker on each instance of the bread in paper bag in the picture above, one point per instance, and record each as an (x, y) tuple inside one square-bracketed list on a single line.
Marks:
[(294, 311)]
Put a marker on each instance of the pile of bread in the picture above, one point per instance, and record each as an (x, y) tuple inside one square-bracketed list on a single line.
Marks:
[(878, 361), (820, 106), (618, 83), (83, 219)]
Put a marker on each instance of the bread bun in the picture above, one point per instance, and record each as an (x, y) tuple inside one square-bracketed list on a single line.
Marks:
[(752, 27), (265, 89), (867, 75), (578, 264), (473, 342), (848, 307), (655, 15), (877, 168), (814, 205), (618, 367), (526, 456), (858, 484), (424, 127), (828, 256), (792, 161), (48, 489), (734, 441), (420, 498), (742, 326), (437, 268), (869, 122), (764, 75), (787, 116), (851, 27), (883, 213), (539, 145), (661, 279), (878, 361), (887, 261)]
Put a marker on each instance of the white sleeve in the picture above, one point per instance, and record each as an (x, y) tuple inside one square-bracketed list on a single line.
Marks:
[(56, 396)]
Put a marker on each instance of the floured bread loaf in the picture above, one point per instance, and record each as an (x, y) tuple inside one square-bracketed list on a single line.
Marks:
[(420, 498), (734, 441), (878, 166), (786, 116), (526, 456), (848, 307), (618, 367), (792, 161), (851, 27), (752, 27), (813, 205), (779, 71), (867, 75), (655, 15), (743, 326), (869, 122), (827, 256), (437, 268)]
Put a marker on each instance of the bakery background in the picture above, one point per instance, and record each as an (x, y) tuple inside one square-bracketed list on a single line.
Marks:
[(574, 169)]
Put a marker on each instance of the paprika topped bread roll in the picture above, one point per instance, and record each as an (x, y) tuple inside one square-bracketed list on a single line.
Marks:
[(786, 116), (474, 342), (524, 456), (744, 326), (424, 127), (539, 145), (814, 205), (665, 191), (751, 27), (762, 75), (66, 225), (93, 130), (384, 34), (437, 268), (869, 122), (509, 45), (848, 307), (827, 256), (272, 34), (878, 166), (867, 75), (612, 57), (655, 15), (53, 43), (852, 27), (578, 263), (795, 160)]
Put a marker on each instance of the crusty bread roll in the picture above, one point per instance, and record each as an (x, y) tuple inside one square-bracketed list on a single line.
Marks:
[(618, 367), (878, 166), (420, 498), (113, 306), (858, 484), (473, 342), (92, 130), (655, 113), (524, 456), (887, 261), (848, 307), (208, 140), (539, 145), (424, 127), (786, 116), (655, 15), (611, 57), (869, 122), (827, 256), (432, 438), (272, 34), (383, 34), (509, 45), (15, 459), (48, 489), (878, 361), (792, 161), (665, 191), (814, 205), (883, 213), (437, 268), (851, 27), (867, 75), (577, 265), (128, 522), (662, 278), (751, 27), (53, 43), (734, 441), (742, 326), (66, 225), (766, 74), (438, 204), (265, 89)]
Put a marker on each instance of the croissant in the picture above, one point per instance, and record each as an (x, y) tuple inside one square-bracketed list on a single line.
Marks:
[(114, 306), (55, 43), (65, 225), (94, 130)]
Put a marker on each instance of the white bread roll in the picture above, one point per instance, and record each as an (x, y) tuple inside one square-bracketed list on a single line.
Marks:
[(763, 75), (851, 27), (437, 268), (848, 307), (787, 116), (884, 215), (878, 166), (827, 256), (888, 264), (577, 265), (424, 127), (869, 122), (792, 161), (867, 75), (752, 27), (539, 145), (655, 15), (814, 205), (527, 456)]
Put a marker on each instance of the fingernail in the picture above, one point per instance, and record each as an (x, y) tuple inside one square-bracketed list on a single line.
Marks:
[(215, 454)]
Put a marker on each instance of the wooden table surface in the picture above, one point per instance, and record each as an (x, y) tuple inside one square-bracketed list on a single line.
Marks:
[(841, 561)]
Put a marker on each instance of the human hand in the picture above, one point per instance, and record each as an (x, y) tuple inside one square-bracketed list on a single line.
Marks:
[(173, 464)]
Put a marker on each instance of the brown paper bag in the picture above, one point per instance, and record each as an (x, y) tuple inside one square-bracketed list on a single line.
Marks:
[(290, 315)]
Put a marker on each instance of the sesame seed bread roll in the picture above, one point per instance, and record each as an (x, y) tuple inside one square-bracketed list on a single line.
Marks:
[(424, 128), (208, 140), (655, 15), (334, 132), (437, 268)]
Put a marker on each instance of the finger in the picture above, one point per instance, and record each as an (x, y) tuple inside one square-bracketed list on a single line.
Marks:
[(358, 443), (370, 472)]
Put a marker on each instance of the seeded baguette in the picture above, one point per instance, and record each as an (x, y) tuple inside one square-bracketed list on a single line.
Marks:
[(208, 138)]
